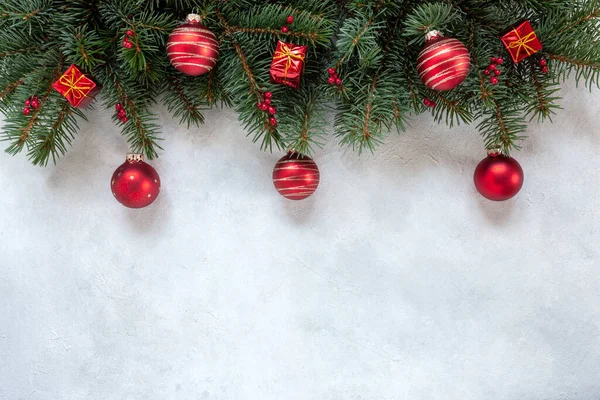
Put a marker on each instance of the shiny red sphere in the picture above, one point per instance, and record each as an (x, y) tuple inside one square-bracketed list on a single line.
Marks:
[(498, 177), (444, 63), (193, 49), (296, 177), (135, 184)]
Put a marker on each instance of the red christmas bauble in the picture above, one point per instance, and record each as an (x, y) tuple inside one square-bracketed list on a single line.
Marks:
[(498, 177), (444, 63), (135, 184), (192, 48), (295, 176)]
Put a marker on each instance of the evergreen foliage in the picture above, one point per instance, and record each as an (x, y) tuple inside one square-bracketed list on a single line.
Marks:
[(372, 44)]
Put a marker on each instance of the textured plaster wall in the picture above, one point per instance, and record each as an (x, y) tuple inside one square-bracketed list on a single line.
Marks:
[(395, 281)]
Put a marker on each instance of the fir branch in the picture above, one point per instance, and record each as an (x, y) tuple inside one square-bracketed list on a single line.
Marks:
[(10, 88)]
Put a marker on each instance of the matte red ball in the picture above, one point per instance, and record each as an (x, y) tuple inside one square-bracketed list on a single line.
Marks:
[(296, 177), (499, 177), (192, 48), (135, 184), (444, 63)]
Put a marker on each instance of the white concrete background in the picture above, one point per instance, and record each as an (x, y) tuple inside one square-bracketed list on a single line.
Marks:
[(395, 281)]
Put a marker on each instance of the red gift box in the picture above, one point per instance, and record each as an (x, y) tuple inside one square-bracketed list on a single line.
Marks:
[(288, 64), (77, 88), (522, 42)]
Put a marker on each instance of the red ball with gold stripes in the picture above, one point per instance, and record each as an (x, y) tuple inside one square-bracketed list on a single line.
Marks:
[(192, 48), (444, 63), (296, 177)]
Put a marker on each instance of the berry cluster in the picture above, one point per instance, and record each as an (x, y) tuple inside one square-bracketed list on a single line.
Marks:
[(126, 43), (121, 113), (30, 103), (334, 79), (289, 20), (544, 65), (493, 69), (266, 106), (429, 103)]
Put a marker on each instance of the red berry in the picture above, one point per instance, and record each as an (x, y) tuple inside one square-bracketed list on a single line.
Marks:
[(500, 61), (289, 19), (121, 114), (494, 60), (427, 102), (497, 72), (487, 72), (285, 29), (27, 111), (118, 106), (331, 80), (267, 102), (129, 32), (331, 71), (545, 70), (27, 102), (338, 81), (492, 67), (263, 106), (268, 95), (433, 104), (543, 62), (127, 44), (273, 121), (35, 103), (494, 80), (271, 110), (124, 119)]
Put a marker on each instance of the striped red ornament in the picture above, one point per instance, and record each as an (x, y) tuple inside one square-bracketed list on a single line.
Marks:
[(295, 176), (444, 63), (192, 48)]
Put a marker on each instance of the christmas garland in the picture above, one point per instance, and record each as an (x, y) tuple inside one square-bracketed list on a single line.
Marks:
[(280, 64)]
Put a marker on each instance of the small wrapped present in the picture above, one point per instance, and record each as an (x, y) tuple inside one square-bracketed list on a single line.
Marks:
[(521, 42), (77, 88), (288, 64)]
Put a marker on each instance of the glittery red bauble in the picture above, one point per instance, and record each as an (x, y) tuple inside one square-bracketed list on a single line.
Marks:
[(498, 177), (192, 48), (444, 63), (296, 177), (135, 184)]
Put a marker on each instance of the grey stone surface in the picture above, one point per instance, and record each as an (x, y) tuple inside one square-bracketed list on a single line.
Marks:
[(395, 281)]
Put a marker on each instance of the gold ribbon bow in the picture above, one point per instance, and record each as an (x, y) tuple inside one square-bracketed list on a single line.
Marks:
[(523, 43), (286, 52), (75, 88)]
